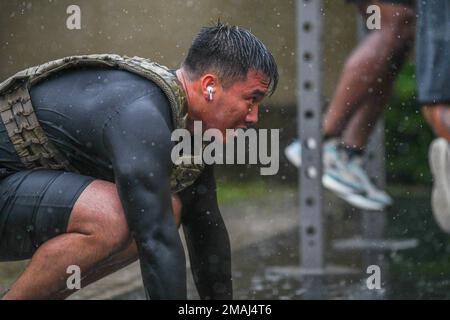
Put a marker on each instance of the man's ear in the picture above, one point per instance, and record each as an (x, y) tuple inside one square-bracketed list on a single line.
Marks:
[(209, 84)]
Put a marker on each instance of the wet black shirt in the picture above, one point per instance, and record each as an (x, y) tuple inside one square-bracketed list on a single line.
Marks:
[(77, 119)]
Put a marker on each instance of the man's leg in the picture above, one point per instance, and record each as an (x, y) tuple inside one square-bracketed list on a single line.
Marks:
[(365, 118), (97, 229), (97, 240), (103, 269), (361, 125), (370, 71), (438, 117), (433, 78), (365, 86), (120, 259), (360, 96)]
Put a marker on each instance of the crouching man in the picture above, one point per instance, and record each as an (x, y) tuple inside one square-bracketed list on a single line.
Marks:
[(86, 172)]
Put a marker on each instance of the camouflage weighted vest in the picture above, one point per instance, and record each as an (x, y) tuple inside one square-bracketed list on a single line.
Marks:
[(29, 139)]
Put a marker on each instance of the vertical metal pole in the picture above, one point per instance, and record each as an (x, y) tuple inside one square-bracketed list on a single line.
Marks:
[(373, 223), (309, 95)]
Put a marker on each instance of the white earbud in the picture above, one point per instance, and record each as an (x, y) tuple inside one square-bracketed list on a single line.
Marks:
[(210, 90)]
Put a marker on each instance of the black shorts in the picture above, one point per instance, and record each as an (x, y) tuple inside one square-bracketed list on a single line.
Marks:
[(35, 206), (433, 51)]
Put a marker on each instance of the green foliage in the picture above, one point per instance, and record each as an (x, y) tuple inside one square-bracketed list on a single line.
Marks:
[(407, 134), (229, 192)]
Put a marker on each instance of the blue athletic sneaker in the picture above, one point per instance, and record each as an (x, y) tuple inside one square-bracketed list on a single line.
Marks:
[(344, 176)]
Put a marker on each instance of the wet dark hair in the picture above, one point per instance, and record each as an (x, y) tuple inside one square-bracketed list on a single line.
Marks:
[(230, 52)]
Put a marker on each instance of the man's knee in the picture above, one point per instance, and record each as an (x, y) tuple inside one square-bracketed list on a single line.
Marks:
[(98, 213)]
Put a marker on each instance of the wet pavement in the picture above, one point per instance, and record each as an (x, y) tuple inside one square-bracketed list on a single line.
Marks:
[(422, 272), (267, 268), (265, 241)]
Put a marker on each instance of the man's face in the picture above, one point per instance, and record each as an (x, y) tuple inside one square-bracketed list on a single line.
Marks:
[(237, 105)]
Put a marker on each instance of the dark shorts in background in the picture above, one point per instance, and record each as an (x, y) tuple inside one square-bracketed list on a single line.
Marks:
[(35, 206), (403, 2), (433, 51)]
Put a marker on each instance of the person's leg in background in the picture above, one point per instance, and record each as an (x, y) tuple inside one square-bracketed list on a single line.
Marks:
[(438, 117), (399, 30), (433, 82), (361, 94), (369, 72)]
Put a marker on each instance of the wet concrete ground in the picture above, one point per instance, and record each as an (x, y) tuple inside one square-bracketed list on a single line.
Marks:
[(422, 272), (264, 237)]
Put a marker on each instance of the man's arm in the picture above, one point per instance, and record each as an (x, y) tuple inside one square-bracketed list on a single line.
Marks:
[(207, 239), (138, 138)]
